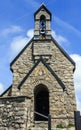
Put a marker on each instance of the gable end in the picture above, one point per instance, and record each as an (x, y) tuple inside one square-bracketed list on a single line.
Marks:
[(43, 6), (49, 68)]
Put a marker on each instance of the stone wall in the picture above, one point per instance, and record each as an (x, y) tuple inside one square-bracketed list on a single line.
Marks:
[(57, 61), (21, 67), (60, 103), (14, 113)]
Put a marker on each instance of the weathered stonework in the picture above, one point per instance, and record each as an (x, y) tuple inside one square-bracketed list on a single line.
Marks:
[(41, 63), (14, 112)]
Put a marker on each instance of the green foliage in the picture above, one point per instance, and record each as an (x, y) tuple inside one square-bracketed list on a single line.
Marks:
[(71, 125), (59, 126), (29, 129)]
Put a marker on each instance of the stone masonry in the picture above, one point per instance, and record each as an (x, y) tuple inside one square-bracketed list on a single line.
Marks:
[(42, 62)]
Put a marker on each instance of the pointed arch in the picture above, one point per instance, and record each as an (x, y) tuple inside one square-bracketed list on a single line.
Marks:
[(41, 102)]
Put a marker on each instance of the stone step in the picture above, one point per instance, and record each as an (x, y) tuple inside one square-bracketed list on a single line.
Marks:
[(35, 128)]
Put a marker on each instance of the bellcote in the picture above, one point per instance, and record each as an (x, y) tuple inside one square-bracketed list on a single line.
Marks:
[(42, 19)]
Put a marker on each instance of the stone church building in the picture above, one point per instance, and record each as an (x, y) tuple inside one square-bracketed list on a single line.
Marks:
[(42, 83)]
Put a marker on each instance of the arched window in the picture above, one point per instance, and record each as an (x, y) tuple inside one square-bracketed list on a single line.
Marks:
[(41, 102), (42, 25)]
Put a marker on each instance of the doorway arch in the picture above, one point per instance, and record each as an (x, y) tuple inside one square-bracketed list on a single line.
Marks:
[(41, 102)]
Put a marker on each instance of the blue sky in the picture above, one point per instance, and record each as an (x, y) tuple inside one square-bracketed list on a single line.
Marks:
[(16, 28)]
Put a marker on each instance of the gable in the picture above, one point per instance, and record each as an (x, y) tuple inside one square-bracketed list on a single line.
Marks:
[(53, 52), (49, 52), (42, 8), (58, 60), (40, 70)]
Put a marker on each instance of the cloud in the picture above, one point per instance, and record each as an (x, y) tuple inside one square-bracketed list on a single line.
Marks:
[(10, 30), (77, 78), (77, 74), (18, 43), (30, 33), (78, 104), (33, 3), (67, 26), (1, 88), (60, 39)]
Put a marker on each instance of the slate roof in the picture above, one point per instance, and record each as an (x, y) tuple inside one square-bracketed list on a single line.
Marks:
[(49, 69)]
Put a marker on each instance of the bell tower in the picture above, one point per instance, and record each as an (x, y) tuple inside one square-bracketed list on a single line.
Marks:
[(42, 19), (42, 83)]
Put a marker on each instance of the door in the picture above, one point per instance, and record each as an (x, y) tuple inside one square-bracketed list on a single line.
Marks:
[(41, 102)]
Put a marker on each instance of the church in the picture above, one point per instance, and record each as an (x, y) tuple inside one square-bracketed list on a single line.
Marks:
[(42, 85)]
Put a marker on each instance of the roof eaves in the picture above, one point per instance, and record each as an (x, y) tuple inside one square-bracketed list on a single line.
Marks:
[(20, 98), (21, 52), (63, 51), (6, 90)]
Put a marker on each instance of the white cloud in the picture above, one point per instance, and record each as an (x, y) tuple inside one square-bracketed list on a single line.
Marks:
[(10, 30), (33, 3), (30, 33), (67, 26), (77, 78), (77, 74), (60, 39), (18, 43), (1, 88), (78, 104)]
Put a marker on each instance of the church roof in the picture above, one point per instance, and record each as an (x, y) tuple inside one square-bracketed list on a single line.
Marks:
[(55, 42), (63, 51), (43, 6), (49, 69)]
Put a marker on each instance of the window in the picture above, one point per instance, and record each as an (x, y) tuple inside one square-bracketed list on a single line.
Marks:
[(41, 102)]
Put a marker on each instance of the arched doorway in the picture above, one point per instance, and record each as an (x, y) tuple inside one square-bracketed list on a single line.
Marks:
[(41, 102)]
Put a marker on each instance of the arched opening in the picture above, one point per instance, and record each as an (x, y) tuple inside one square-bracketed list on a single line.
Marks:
[(42, 25), (41, 102)]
